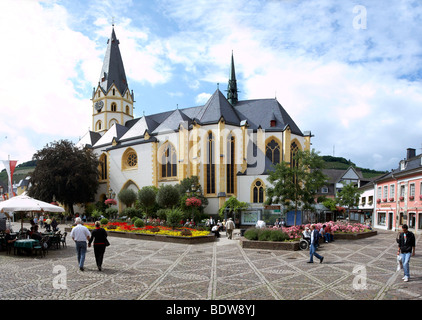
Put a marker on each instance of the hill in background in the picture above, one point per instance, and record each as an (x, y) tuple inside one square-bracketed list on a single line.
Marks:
[(341, 163)]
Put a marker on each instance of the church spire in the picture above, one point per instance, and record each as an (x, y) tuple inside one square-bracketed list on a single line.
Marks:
[(113, 70), (232, 86)]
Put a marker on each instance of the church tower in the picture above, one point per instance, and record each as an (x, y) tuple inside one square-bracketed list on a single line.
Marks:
[(112, 102)]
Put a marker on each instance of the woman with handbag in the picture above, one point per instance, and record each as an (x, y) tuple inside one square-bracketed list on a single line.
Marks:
[(99, 237)]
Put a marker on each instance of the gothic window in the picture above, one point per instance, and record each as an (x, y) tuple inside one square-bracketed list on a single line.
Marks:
[(114, 92), (272, 151), (168, 161), (103, 167), (113, 107), (210, 166), (231, 164), (127, 110), (258, 191), (293, 153), (112, 121), (129, 159)]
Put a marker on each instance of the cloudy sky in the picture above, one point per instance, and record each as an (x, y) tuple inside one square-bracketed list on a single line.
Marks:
[(348, 71)]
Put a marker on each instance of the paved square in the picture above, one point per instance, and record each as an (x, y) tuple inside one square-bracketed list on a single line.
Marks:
[(146, 270)]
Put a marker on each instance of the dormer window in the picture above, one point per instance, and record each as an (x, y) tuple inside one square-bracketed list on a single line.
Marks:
[(272, 123), (402, 165)]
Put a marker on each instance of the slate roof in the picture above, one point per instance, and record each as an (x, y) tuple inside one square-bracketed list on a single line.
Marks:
[(410, 165), (115, 132), (113, 70)]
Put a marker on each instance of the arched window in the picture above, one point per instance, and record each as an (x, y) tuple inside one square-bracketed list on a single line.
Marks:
[(168, 161), (258, 191), (293, 153), (129, 159), (98, 125), (103, 167), (210, 166), (114, 91), (272, 151), (127, 110), (113, 107), (231, 164)]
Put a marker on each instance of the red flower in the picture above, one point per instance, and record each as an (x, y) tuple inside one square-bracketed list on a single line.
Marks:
[(110, 201), (193, 202)]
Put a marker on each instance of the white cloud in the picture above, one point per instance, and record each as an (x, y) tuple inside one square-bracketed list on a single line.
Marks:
[(202, 98)]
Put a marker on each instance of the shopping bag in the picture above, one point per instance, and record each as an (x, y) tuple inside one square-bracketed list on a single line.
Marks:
[(399, 263)]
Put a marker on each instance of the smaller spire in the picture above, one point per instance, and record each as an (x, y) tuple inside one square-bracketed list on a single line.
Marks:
[(232, 86)]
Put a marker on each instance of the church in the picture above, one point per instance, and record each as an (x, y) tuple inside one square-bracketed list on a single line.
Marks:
[(230, 144)]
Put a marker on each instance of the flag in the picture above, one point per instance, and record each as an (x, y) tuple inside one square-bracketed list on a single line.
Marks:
[(10, 169)]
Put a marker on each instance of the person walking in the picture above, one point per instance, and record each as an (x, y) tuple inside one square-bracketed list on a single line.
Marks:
[(229, 228), (406, 242), (313, 245), (99, 237), (80, 234)]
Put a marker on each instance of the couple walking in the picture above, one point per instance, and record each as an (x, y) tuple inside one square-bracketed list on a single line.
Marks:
[(80, 234)]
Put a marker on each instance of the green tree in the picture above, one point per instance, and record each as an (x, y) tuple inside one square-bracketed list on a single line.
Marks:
[(168, 196), (64, 172), (233, 205), (190, 187), (127, 196), (147, 198), (295, 186), (348, 197)]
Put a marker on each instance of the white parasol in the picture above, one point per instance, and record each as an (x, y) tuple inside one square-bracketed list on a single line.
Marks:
[(24, 203)]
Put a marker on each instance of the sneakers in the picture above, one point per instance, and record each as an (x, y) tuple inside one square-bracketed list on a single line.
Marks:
[(405, 279)]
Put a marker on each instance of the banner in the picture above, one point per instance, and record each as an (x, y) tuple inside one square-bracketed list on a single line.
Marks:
[(10, 166)]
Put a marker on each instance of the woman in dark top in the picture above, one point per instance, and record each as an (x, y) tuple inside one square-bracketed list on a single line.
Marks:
[(99, 237)]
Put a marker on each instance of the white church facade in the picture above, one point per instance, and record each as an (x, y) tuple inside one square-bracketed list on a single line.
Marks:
[(230, 144)]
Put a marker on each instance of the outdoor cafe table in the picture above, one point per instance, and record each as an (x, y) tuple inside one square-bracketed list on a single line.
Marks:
[(26, 244)]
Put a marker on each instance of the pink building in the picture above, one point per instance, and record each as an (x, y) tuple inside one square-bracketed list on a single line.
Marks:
[(398, 196)]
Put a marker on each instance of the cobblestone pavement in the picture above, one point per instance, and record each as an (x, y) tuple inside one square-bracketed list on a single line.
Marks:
[(146, 270)]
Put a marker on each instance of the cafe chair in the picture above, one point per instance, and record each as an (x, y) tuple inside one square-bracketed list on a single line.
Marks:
[(63, 239)]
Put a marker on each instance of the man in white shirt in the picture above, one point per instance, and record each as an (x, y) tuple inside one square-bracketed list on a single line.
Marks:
[(80, 234)]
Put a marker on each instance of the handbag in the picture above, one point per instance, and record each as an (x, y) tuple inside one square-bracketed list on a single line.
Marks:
[(107, 243)]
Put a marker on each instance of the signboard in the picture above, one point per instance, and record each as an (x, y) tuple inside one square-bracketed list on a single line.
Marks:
[(249, 217)]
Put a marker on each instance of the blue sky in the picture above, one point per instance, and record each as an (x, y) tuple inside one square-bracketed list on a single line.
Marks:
[(348, 71)]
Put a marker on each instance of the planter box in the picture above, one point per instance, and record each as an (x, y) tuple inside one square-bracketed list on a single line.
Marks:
[(159, 237), (354, 236), (269, 245)]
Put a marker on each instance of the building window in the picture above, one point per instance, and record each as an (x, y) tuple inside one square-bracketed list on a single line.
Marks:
[(272, 151), (324, 189), (293, 152), (258, 192), (231, 165), (168, 161), (112, 121), (402, 190), (127, 110), (113, 107), (98, 125), (412, 220), (412, 190), (381, 218), (370, 200), (103, 167), (129, 159), (392, 191), (210, 166), (114, 92)]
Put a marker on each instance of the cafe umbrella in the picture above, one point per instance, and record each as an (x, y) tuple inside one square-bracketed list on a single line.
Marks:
[(24, 203)]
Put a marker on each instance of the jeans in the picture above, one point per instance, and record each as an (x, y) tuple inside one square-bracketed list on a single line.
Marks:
[(328, 237), (312, 253), (405, 258), (81, 250)]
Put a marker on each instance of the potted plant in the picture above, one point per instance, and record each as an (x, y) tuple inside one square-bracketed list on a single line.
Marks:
[(411, 197), (391, 199), (384, 200), (378, 200), (401, 198)]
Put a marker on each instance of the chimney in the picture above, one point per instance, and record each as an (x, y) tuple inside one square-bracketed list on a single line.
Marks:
[(410, 153)]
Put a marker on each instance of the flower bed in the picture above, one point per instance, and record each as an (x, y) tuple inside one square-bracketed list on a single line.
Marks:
[(181, 235), (342, 230), (160, 230)]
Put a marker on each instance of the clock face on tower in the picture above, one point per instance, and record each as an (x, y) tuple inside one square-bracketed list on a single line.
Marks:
[(99, 105)]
